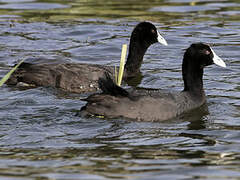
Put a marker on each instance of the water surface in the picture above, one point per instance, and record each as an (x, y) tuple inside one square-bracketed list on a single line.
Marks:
[(40, 136)]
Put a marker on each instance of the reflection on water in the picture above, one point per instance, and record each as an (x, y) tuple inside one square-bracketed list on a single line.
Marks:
[(32, 6), (40, 136)]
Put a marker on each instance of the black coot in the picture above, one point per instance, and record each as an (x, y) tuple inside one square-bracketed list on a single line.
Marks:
[(155, 105), (79, 78)]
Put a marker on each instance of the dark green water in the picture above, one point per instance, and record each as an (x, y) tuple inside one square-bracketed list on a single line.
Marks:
[(42, 139)]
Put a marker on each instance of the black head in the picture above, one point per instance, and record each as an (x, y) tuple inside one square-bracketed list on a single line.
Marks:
[(146, 33), (196, 57), (201, 55), (143, 36)]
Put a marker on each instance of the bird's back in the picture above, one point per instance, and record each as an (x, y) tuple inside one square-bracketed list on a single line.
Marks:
[(71, 77), (139, 104)]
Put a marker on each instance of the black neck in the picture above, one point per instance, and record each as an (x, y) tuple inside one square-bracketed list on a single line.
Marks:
[(135, 56), (192, 76)]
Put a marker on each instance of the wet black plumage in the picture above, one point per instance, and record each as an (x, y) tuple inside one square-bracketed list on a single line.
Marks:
[(80, 78), (155, 105)]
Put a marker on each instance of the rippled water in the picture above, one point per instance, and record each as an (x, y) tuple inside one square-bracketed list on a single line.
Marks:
[(40, 136)]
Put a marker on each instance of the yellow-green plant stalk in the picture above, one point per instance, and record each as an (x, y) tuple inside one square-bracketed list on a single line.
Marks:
[(8, 75), (116, 74), (122, 62), (193, 3), (100, 116)]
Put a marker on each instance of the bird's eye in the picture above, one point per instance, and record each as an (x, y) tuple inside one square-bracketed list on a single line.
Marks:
[(206, 52), (153, 31)]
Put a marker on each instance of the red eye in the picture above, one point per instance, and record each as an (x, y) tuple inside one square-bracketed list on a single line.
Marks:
[(207, 52)]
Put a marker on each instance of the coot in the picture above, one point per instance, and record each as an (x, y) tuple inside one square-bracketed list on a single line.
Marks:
[(80, 78), (147, 105)]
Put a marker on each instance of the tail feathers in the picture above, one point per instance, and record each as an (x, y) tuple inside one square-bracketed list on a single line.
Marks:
[(107, 85)]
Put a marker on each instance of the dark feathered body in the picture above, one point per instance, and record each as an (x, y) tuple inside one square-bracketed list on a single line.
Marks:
[(79, 78), (140, 104), (155, 105), (71, 77)]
